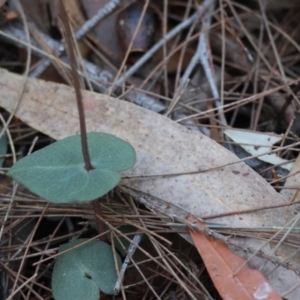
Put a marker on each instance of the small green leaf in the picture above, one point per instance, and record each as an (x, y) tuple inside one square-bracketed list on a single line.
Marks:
[(82, 272), (3, 147), (57, 172)]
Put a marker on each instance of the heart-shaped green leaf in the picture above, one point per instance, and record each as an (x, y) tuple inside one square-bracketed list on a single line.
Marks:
[(57, 172), (82, 272)]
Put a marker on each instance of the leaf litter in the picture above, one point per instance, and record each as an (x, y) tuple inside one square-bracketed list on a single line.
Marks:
[(225, 189), (215, 186)]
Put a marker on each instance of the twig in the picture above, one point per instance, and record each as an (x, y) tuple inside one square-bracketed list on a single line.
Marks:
[(131, 250), (100, 15), (195, 59), (202, 55)]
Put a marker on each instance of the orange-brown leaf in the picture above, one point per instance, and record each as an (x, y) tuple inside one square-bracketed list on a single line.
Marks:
[(222, 264)]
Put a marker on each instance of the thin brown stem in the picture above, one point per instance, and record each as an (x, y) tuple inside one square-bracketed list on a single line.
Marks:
[(100, 224), (74, 67), (83, 134)]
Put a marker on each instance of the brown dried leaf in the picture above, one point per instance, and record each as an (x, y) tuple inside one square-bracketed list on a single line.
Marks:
[(222, 264), (106, 30)]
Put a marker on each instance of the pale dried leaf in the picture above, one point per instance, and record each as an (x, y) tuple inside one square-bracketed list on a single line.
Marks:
[(257, 143)]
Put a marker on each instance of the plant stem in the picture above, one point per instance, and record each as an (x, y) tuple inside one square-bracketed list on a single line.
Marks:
[(83, 134), (74, 67), (98, 213)]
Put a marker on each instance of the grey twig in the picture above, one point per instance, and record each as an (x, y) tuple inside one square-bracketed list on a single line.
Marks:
[(100, 15), (204, 57), (201, 52), (201, 9), (131, 250), (195, 59)]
